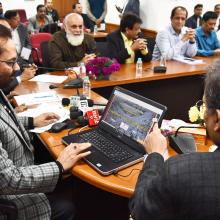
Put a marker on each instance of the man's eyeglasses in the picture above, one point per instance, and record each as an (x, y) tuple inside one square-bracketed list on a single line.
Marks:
[(10, 63)]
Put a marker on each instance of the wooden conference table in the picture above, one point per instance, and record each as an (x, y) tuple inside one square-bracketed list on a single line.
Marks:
[(122, 186), (179, 88)]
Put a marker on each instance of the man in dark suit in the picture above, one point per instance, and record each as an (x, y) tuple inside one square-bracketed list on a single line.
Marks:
[(195, 20), (31, 187), (50, 11), (125, 44), (185, 186)]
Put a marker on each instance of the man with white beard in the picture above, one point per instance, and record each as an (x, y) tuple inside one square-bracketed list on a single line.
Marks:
[(71, 46)]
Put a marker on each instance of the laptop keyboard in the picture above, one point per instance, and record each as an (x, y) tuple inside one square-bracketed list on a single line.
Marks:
[(107, 147)]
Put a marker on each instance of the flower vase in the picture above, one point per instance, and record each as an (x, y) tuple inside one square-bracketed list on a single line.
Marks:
[(103, 77)]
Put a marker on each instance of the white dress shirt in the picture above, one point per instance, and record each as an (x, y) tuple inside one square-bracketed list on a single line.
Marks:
[(16, 40)]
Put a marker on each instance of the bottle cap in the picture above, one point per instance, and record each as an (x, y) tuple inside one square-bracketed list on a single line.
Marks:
[(139, 59), (86, 78)]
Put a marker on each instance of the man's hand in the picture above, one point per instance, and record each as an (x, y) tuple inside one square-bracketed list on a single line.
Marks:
[(73, 153), (45, 119), (139, 44), (21, 108), (98, 22), (88, 57), (217, 52), (189, 35), (155, 142), (28, 72)]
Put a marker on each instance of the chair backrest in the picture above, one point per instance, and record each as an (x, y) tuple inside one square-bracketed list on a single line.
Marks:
[(150, 44), (22, 15), (102, 49), (36, 40), (45, 54), (50, 28)]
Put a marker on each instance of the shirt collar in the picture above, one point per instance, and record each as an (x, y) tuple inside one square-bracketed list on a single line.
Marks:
[(125, 39), (174, 32)]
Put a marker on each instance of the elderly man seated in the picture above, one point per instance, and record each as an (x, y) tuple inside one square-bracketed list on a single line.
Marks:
[(71, 46)]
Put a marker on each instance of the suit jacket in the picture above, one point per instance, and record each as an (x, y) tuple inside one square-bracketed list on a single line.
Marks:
[(183, 187), (63, 54), (116, 47), (25, 42), (21, 181), (191, 22), (132, 6), (54, 14)]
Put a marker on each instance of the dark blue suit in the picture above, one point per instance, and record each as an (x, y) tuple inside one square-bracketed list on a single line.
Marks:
[(191, 22)]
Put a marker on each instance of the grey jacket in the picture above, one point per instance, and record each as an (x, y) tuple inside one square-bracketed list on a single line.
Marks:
[(21, 181)]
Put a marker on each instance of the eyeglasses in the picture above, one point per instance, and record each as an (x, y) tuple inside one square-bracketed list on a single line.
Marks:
[(10, 63)]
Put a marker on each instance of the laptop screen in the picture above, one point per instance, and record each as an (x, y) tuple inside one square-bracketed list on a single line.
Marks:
[(130, 116)]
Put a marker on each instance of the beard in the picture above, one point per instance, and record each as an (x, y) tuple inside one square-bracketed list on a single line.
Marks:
[(75, 40)]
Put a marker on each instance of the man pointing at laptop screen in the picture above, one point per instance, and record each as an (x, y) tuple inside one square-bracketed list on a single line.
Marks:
[(185, 186)]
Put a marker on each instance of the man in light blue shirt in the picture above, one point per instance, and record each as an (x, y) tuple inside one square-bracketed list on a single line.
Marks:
[(206, 38), (175, 40)]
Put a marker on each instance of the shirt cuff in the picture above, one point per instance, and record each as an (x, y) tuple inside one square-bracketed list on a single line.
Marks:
[(30, 123), (60, 166)]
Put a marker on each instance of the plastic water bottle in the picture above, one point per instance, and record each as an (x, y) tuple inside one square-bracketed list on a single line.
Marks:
[(82, 70), (139, 68), (95, 29), (86, 87)]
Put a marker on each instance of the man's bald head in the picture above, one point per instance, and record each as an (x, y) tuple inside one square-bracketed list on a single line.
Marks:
[(72, 18)]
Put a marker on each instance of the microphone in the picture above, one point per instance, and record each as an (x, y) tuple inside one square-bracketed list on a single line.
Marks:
[(183, 143), (65, 101), (91, 103), (42, 67), (91, 118)]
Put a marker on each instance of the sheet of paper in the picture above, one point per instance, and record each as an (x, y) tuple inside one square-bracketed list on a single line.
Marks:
[(37, 98), (43, 108), (49, 78), (188, 60), (25, 53)]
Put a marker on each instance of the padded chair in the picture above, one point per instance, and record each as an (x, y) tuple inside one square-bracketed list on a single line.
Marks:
[(150, 44), (50, 28), (45, 54), (36, 40), (23, 16), (102, 49), (9, 209)]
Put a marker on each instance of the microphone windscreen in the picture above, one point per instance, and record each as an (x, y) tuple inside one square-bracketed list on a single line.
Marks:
[(53, 87), (65, 101), (75, 114), (82, 121), (90, 102)]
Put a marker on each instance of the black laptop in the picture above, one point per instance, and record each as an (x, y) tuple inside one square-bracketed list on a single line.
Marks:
[(117, 141)]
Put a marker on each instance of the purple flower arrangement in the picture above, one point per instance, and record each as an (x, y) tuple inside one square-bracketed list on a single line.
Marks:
[(102, 66)]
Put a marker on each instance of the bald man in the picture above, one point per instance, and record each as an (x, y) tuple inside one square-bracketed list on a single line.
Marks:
[(71, 46)]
